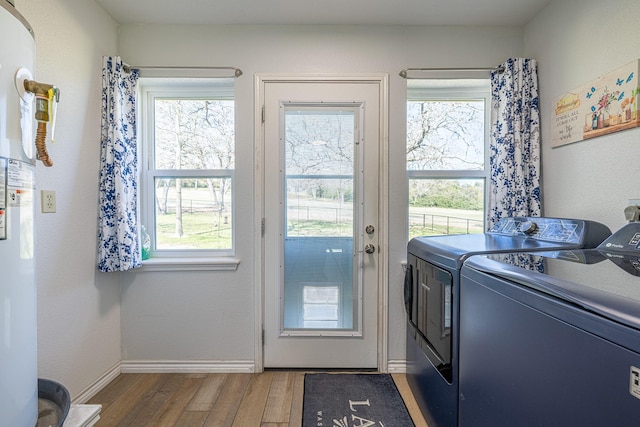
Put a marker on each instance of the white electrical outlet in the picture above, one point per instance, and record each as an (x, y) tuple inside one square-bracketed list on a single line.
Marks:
[(48, 201)]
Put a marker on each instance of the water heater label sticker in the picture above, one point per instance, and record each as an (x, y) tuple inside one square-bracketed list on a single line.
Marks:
[(20, 174), (19, 197), (3, 183), (3, 224)]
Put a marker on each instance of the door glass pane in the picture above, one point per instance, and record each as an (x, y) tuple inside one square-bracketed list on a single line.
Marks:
[(318, 211)]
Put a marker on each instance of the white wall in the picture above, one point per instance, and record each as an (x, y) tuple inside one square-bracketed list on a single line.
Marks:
[(78, 308), (210, 316), (574, 42)]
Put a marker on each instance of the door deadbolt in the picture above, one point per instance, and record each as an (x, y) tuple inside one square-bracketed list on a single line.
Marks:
[(370, 229), (369, 248)]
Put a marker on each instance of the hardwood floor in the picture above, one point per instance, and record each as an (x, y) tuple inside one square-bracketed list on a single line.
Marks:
[(268, 399)]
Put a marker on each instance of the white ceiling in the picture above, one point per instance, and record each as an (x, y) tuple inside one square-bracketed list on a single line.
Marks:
[(389, 12)]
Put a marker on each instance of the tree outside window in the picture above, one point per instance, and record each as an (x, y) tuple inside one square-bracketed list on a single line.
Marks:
[(191, 159), (446, 138)]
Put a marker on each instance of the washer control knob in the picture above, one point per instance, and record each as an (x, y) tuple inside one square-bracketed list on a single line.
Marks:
[(529, 227)]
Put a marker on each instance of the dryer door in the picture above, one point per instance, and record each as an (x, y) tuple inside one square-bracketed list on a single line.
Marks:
[(435, 309)]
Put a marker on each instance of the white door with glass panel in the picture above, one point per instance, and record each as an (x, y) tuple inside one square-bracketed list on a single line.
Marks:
[(320, 245)]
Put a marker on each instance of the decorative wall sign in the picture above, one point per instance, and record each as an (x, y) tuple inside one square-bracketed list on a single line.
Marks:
[(605, 105)]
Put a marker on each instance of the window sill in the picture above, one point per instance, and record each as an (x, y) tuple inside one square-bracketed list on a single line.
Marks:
[(189, 264)]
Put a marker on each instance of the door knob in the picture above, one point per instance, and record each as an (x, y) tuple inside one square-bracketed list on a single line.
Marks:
[(369, 248), (370, 229)]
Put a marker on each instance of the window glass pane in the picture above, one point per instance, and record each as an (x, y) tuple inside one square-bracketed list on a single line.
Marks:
[(445, 134), (445, 206), (193, 213), (194, 134)]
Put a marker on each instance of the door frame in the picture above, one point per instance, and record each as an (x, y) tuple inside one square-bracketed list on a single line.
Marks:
[(382, 80)]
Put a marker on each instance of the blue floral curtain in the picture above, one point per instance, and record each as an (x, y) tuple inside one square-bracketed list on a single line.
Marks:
[(515, 142), (118, 243)]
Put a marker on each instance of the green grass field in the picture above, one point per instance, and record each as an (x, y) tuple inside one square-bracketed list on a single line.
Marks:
[(202, 225), (206, 228), (427, 221)]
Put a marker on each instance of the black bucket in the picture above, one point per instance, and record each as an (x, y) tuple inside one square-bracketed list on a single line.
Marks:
[(54, 402)]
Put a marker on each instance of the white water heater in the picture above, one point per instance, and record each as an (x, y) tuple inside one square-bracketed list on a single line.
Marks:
[(18, 341)]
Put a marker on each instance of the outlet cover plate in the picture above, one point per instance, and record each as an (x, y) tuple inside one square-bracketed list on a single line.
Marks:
[(48, 201)]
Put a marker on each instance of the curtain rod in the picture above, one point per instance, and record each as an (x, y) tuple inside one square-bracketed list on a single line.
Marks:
[(404, 72), (236, 71)]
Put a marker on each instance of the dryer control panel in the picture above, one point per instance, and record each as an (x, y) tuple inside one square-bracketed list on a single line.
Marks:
[(574, 231)]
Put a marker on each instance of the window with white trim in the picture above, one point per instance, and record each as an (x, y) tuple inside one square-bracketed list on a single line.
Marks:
[(447, 155), (188, 153)]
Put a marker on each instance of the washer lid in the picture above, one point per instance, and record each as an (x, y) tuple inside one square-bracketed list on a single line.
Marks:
[(599, 281)]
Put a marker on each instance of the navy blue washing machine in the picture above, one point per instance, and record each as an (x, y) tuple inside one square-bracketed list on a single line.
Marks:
[(552, 338), (432, 295)]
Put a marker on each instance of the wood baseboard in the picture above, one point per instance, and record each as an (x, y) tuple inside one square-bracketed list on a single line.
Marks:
[(97, 385), (398, 366), (187, 366)]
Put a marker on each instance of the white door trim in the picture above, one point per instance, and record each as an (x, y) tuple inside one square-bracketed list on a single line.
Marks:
[(382, 79)]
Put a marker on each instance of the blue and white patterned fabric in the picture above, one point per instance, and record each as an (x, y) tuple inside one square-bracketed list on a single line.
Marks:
[(515, 142), (118, 242)]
